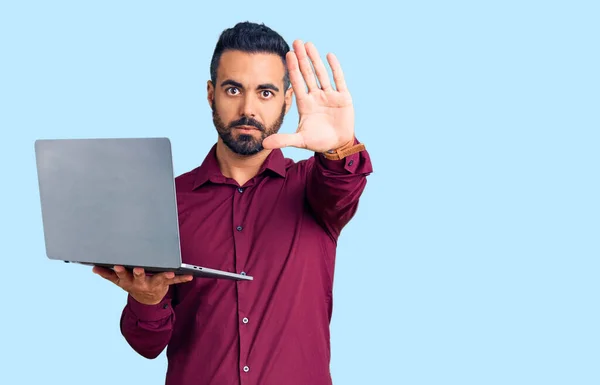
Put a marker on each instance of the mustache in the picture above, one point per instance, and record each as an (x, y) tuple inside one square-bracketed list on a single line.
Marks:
[(245, 121)]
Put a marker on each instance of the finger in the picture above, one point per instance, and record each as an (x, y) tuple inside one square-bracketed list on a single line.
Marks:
[(105, 273), (161, 278), (122, 273), (305, 66), (169, 278), (319, 66), (283, 140), (180, 279), (298, 84), (139, 276), (338, 74)]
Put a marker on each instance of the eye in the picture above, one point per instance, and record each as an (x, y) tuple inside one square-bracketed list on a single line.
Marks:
[(266, 94), (231, 90)]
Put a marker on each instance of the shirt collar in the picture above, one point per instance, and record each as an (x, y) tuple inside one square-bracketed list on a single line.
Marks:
[(209, 169)]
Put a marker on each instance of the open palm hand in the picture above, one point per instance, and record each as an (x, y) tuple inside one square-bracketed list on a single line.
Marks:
[(326, 114)]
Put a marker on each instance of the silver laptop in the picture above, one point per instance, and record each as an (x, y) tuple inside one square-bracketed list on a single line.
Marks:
[(110, 202)]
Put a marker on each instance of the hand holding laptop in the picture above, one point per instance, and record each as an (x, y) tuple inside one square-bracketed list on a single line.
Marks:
[(149, 290)]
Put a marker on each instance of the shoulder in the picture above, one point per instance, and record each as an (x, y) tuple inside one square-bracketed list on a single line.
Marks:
[(185, 181), (298, 167)]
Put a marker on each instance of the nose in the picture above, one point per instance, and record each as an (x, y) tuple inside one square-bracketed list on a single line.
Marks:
[(248, 106)]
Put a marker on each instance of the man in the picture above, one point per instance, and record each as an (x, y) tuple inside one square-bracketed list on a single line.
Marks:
[(248, 209)]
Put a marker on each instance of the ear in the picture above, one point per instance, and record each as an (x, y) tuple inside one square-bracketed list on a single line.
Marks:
[(288, 99), (210, 93)]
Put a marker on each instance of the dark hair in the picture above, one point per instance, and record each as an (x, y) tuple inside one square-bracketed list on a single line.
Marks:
[(252, 38)]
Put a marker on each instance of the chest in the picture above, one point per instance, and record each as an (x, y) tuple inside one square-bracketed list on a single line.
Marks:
[(225, 227), (267, 231)]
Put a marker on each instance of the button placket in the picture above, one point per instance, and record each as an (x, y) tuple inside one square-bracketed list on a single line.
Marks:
[(242, 246)]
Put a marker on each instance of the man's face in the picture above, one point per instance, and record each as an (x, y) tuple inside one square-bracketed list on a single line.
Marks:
[(248, 100)]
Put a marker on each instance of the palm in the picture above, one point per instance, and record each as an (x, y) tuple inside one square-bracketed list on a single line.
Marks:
[(326, 114)]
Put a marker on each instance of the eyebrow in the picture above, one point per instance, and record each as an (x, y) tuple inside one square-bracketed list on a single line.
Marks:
[(266, 86)]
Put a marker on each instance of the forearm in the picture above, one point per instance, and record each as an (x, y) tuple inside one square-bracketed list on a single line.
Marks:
[(147, 328), (334, 188)]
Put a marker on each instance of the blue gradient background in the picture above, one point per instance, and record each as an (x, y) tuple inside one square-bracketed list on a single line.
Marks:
[(474, 257)]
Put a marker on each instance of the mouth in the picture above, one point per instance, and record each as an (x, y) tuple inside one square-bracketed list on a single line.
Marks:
[(246, 128)]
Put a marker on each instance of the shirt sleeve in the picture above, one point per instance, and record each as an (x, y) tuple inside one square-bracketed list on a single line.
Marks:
[(334, 188), (148, 328)]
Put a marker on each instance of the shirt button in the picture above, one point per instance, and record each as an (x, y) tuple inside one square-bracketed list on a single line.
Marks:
[(245, 320), (351, 163), (246, 369), (241, 190), (243, 273), (239, 228)]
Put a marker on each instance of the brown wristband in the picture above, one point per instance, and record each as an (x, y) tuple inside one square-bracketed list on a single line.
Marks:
[(342, 152)]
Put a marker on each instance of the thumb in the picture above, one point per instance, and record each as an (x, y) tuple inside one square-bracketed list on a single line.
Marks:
[(283, 140)]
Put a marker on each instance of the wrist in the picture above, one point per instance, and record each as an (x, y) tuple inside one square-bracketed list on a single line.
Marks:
[(349, 148), (145, 299)]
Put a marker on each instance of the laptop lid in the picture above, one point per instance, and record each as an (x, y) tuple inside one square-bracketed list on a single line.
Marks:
[(109, 201)]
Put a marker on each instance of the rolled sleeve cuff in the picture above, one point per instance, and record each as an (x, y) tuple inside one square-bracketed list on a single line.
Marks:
[(149, 312)]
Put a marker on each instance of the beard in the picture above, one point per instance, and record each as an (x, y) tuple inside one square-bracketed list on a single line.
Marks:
[(245, 144)]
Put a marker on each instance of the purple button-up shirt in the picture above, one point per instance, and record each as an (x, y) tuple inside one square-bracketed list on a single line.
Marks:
[(281, 227)]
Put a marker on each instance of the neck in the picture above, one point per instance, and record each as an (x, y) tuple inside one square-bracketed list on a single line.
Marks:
[(240, 168)]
